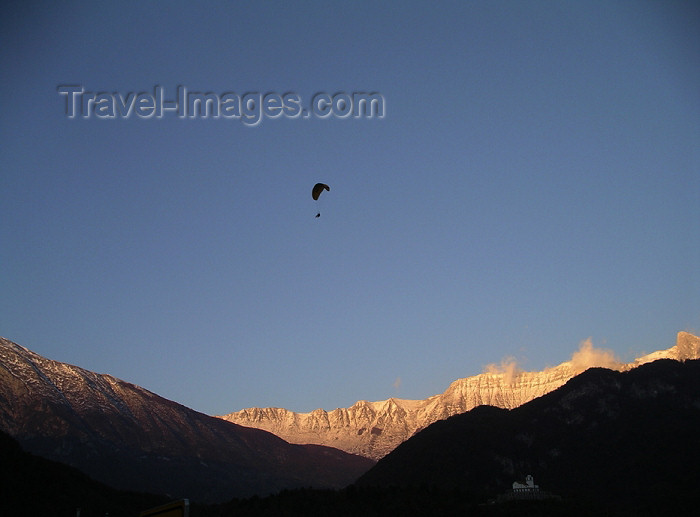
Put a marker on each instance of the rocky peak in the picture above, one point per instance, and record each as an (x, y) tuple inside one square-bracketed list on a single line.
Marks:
[(687, 346)]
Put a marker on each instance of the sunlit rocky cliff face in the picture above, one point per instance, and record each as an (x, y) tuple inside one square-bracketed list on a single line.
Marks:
[(373, 429)]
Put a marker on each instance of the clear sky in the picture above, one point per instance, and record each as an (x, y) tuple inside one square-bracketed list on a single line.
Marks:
[(534, 182)]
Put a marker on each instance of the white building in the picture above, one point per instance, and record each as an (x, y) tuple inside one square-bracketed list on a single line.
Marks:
[(525, 491), (529, 485)]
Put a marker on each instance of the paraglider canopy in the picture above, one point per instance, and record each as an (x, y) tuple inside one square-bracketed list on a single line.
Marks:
[(318, 188)]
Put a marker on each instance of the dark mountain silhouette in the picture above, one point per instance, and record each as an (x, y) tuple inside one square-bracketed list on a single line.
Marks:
[(31, 485), (606, 438), (131, 439)]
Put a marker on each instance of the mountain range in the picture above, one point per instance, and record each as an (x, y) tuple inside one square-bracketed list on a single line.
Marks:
[(627, 429), (132, 439), (622, 442), (373, 429)]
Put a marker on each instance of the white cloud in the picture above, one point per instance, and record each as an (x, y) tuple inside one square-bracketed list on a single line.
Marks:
[(587, 356), (508, 368)]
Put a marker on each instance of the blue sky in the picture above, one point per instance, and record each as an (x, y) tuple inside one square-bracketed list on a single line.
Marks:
[(533, 183)]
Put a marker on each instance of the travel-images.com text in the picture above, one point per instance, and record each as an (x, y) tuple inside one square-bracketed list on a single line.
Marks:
[(250, 108)]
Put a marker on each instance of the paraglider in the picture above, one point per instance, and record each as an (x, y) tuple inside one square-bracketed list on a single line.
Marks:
[(318, 188), (316, 192)]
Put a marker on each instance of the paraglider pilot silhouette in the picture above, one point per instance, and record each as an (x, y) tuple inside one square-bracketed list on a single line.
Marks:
[(316, 192)]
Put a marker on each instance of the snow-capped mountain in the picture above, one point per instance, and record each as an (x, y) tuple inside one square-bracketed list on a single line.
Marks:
[(132, 439), (373, 429)]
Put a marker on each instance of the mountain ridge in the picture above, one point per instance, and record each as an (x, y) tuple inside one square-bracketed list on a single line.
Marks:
[(623, 441), (132, 439), (373, 429)]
